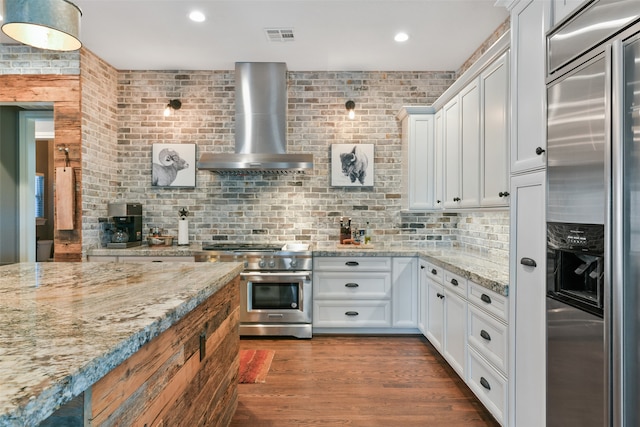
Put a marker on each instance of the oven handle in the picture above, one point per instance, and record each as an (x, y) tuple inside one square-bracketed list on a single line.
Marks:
[(288, 274)]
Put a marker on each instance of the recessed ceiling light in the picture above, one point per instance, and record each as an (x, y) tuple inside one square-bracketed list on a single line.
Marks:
[(401, 37), (197, 16)]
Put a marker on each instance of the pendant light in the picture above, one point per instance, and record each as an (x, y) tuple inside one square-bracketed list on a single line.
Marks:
[(45, 24)]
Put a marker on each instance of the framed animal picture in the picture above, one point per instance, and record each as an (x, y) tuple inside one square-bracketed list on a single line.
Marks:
[(352, 165), (173, 165)]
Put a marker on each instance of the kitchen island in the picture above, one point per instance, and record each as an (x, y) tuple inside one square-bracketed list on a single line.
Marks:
[(136, 343)]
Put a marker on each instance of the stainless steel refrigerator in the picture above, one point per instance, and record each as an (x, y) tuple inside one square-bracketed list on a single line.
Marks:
[(593, 89)]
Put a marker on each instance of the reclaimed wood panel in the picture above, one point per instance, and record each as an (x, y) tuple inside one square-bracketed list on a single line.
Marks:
[(166, 383), (64, 92)]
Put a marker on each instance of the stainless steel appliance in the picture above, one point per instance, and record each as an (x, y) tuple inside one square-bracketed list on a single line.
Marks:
[(275, 286), (593, 101)]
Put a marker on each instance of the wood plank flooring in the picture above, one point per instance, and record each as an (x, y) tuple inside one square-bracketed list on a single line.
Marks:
[(357, 381)]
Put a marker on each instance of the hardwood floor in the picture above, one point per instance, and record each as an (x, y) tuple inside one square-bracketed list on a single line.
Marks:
[(357, 381)]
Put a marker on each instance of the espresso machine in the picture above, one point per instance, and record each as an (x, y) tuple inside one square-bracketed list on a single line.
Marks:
[(127, 224)]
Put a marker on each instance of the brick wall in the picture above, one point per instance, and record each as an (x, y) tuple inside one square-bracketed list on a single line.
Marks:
[(281, 207), (99, 144), (122, 118)]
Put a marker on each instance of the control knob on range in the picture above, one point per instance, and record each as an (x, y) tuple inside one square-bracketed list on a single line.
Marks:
[(272, 263), (261, 263), (294, 263)]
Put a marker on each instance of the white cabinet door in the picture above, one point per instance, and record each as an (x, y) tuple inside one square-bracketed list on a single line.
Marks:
[(451, 140), (404, 288), (423, 298), (417, 137), (455, 331), (470, 144), (494, 82), (562, 8), (435, 314), (438, 179), (528, 132), (528, 294)]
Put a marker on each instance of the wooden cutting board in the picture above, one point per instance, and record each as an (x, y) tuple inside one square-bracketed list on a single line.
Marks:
[(65, 197)]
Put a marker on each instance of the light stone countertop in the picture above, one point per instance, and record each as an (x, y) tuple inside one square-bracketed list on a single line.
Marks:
[(489, 272), (66, 325)]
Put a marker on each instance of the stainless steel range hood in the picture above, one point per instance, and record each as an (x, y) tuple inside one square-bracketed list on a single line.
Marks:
[(261, 125)]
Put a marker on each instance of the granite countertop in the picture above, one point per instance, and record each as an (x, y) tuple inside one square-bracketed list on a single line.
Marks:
[(66, 325), (483, 269)]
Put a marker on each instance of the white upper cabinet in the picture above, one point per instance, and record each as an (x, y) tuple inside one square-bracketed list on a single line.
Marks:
[(494, 82), (438, 179), (418, 157), (470, 145), (451, 141), (563, 8), (527, 76)]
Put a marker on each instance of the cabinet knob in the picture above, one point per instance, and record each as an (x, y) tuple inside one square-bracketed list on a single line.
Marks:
[(539, 150), (454, 282), (438, 201), (434, 271), (503, 193)]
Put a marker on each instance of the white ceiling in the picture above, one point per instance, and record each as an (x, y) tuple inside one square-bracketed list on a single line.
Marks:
[(330, 35)]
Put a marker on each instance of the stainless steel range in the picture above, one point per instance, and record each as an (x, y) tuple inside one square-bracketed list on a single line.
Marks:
[(275, 286)]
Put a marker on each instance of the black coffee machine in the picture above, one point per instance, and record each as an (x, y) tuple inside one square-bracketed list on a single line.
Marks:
[(127, 218)]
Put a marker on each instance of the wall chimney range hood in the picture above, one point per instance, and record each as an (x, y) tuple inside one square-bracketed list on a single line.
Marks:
[(261, 125)]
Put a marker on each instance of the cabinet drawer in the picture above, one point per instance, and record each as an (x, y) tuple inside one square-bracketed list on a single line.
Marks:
[(489, 337), (338, 285), (489, 385), (489, 301), (435, 273), (456, 283), (345, 314), (352, 263)]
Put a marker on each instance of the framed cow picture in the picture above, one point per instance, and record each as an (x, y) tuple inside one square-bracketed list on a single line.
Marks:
[(352, 165), (173, 165)]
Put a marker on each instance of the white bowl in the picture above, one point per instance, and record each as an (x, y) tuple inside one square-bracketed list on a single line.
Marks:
[(296, 247)]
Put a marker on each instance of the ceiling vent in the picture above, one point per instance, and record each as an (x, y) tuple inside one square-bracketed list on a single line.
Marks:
[(277, 35)]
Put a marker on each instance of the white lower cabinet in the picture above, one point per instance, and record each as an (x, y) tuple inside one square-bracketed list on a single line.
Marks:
[(376, 293), (488, 385), (467, 324), (446, 317)]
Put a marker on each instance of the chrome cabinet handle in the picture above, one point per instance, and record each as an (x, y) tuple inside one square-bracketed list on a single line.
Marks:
[(528, 262), (484, 334)]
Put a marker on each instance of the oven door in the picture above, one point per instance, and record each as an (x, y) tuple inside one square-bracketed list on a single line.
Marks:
[(275, 297)]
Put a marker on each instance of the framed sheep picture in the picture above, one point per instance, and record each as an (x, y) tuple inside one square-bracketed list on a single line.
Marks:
[(352, 165), (173, 165)]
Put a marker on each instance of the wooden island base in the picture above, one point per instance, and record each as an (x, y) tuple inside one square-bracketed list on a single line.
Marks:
[(187, 375)]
